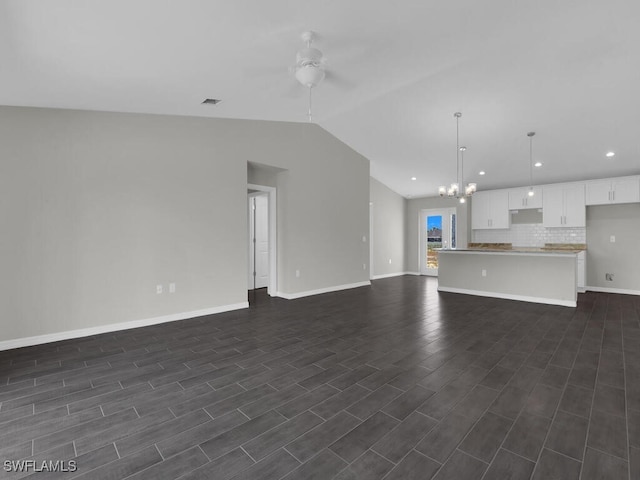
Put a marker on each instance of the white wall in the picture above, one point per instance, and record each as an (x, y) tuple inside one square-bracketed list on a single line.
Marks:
[(414, 206), (98, 208), (621, 258), (389, 229)]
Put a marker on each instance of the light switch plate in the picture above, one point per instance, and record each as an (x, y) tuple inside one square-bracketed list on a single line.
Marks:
[(612, 239)]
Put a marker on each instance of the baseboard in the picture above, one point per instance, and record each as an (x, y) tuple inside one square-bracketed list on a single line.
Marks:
[(508, 296), (389, 275), (114, 327), (624, 291), (413, 273), (308, 293)]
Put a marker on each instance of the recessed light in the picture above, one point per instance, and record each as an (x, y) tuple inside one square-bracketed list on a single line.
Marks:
[(481, 172), (211, 101), (537, 164), (610, 154), (413, 178)]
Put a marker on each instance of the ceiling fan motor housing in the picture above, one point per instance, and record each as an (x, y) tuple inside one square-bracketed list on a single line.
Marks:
[(309, 56)]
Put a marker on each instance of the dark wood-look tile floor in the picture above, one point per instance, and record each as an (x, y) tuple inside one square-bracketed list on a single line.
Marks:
[(391, 381)]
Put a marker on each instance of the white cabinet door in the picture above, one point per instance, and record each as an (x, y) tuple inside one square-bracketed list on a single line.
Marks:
[(519, 198), (516, 200), (552, 206), (499, 213), (490, 210), (536, 200), (574, 206), (613, 190), (625, 190), (582, 272), (598, 192), (480, 205)]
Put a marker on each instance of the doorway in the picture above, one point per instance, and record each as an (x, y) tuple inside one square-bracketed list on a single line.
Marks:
[(262, 270), (258, 241), (438, 229)]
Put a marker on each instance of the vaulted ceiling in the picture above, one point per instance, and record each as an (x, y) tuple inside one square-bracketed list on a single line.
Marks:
[(568, 70)]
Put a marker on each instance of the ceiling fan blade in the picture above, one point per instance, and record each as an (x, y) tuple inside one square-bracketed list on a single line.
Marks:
[(339, 80), (265, 70)]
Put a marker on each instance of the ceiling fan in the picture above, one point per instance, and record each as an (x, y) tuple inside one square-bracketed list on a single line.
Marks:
[(309, 69)]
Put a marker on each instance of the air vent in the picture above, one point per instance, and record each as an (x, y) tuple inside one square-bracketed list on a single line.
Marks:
[(211, 101)]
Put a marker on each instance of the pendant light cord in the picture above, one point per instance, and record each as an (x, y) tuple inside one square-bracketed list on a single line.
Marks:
[(458, 150), (531, 161), (530, 135), (461, 167)]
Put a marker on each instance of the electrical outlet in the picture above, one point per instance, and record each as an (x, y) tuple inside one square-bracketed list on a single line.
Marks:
[(298, 273), (364, 238), (608, 277), (612, 239), (172, 288), (158, 289), (484, 272)]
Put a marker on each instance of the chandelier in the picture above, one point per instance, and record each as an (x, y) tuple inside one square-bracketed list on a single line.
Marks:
[(454, 190)]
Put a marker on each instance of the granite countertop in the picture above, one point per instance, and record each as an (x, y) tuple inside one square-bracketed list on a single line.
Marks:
[(507, 247), (513, 251)]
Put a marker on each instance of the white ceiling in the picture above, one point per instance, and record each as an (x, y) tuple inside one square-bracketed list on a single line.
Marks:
[(567, 69)]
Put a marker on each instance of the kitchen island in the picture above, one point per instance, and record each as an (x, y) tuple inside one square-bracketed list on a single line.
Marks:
[(528, 274)]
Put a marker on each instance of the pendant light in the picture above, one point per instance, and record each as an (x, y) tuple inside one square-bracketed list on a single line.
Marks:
[(531, 191), (454, 188)]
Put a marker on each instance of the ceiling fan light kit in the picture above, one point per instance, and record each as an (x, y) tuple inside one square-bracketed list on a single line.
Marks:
[(309, 75)]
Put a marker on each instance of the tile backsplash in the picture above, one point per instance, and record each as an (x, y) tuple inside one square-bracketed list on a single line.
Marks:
[(531, 235)]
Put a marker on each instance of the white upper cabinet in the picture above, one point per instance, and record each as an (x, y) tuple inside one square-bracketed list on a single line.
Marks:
[(613, 190), (490, 210), (519, 198), (564, 205)]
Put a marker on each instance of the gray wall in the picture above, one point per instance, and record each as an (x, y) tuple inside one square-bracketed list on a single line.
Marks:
[(98, 208), (389, 229), (262, 174), (414, 206), (549, 277), (621, 258)]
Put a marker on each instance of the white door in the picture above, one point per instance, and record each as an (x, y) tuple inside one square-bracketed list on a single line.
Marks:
[(438, 229), (258, 241)]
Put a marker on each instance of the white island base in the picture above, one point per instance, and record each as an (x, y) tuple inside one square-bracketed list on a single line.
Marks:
[(538, 277)]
